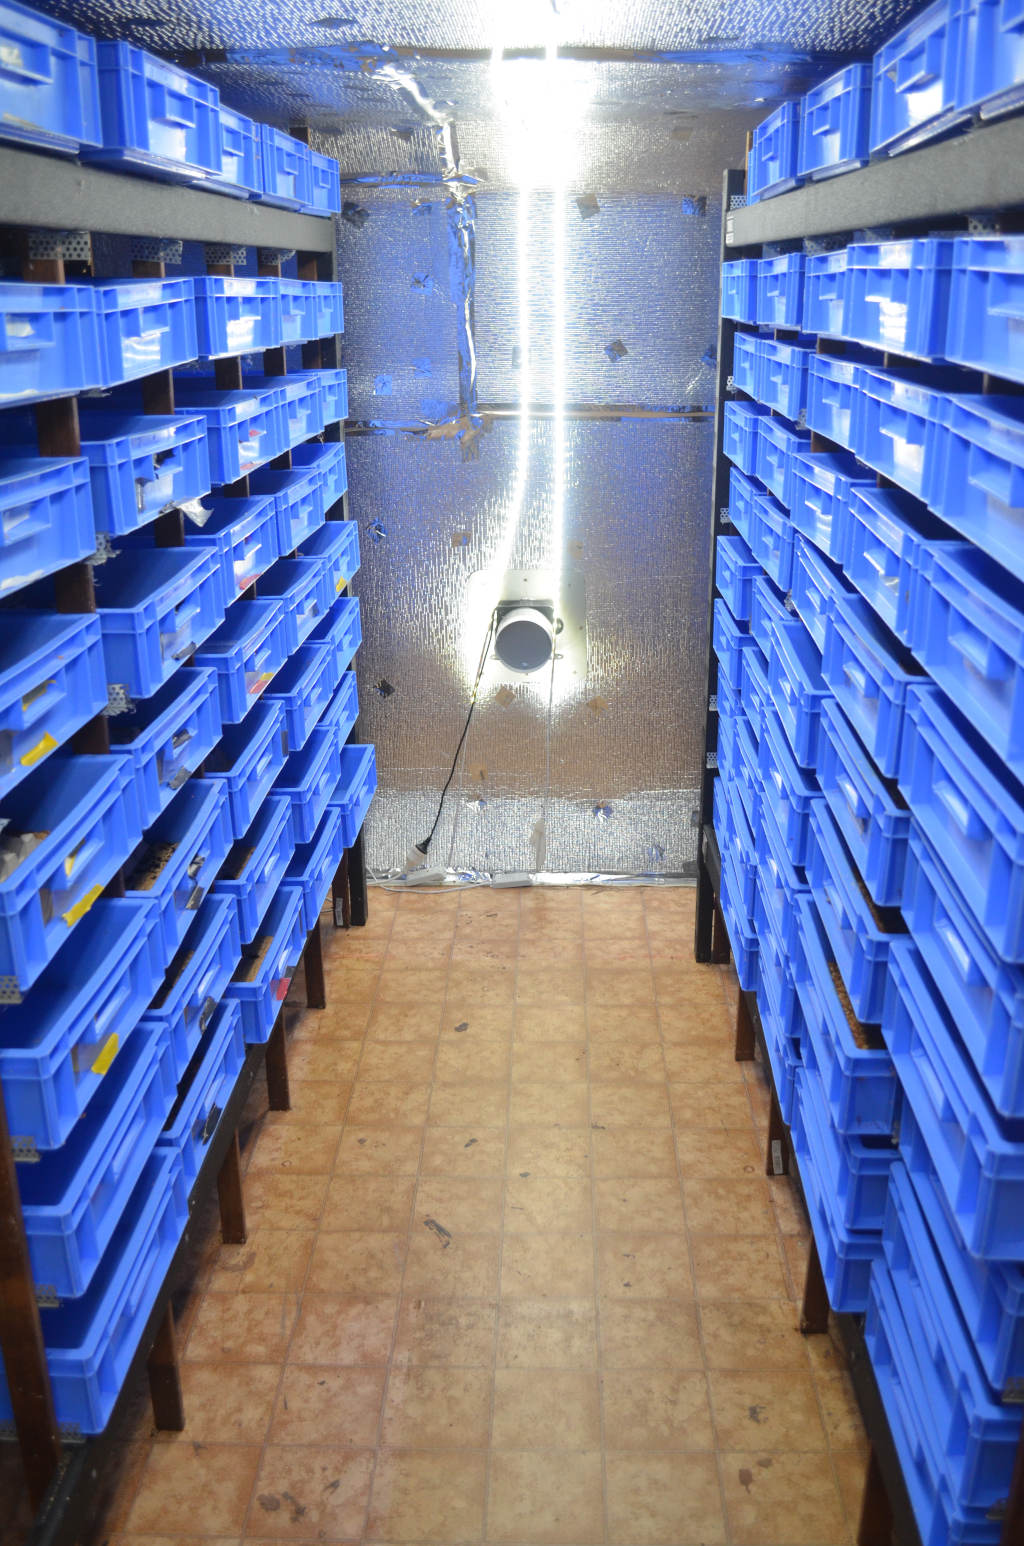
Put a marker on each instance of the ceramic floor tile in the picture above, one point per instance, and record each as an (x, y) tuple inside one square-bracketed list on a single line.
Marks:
[(317, 1100), (546, 1499), (464, 1267), (635, 1104), (437, 1408), (664, 1500), (417, 1497), (636, 1266), (649, 1334), (323, 1060), (633, 1151), (402, 982), (226, 1403), (761, 1334), (467, 1017), (397, 1062), (649, 1205), (719, 1105), (368, 1202), (619, 985), (730, 1207), (547, 1334), (549, 1151), (543, 1105), (271, 1261), (279, 1200), (777, 1411), (177, 1475), (469, 1150), (550, 1022), (549, 1063), (462, 1204), (339, 1329), (622, 1022), (547, 1204), (259, 1335), (494, 986), (547, 1266), (656, 1409), (550, 985), (322, 1405), (385, 1103), (379, 1151), (452, 1333), (718, 1156), (299, 1148), (732, 1267), (782, 1497), (358, 1262), (479, 1102), (620, 1062), (307, 1492), (560, 1411), (471, 1054)]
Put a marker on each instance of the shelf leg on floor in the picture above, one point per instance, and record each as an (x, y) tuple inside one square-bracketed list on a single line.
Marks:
[(776, 1161), (165, 1378), (875, 1527), (357, 882), (341, 901), (1013, 1519), (313, 966), (277, 1068), (720, 951), (231, 1196), (744, 1031), (814, 1310)]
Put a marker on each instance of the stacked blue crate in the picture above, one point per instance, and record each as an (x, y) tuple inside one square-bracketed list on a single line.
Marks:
[(891, 780), (229, 793)]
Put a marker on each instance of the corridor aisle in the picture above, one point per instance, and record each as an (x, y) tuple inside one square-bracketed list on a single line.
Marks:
[(514, 1271)]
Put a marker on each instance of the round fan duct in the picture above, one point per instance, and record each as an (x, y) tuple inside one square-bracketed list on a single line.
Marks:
[(525, 639)]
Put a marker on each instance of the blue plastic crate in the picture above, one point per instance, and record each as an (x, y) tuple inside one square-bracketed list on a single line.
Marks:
[(736, 839), (182, 851), (787, 790), (343, 710), (156, 119), (833, 386), (780, 290), (739, 290), (247, 651), (52, 682), (334, 391), (740, 421), (90, 1342), (309, 778), (145, 325), (971, 640), (740, 926), (992, 77), (247, 760), (240, 169), (772, 163), (821, 490), (327, 460), (336, 545), (58, 1044), (245, 430), (897, 295), (286, 169), (735, 571), (914, 79), (774, 980), (779, 883), (342, 629), (303, 587), (744, 363), (870, 673), (782, 376), (49, 94), (854, 1171), (298, 501), (971, 809), (138, 465), (976, 473), (245, 534), (990, 1296), (954, 1130), (45, 518), (155, 606), (167, 737), (940, 1521), (313, 308), (742, 493), (196, 978), (199, 1108), (886, 533), (325, 185), (857, 1077), (985, 995), (755, 694), (314, 866), (825, 293), (771, 539), (986, 305), (895, 423), (256, 865), (778, 443), (301, 401), (73, 1197), (355, 789), (85, 812), (860, 936), (264, 975), (797, 688), (816, 583), (49, 341), (846, 1255), (237, 314), (975, 1435), (871, 817), (767, 606), (303, 687), (729, 639), (835, 124)]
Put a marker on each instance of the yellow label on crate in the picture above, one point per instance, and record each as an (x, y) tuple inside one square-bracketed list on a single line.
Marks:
[(82, 906), (95, 1059), (340, 584), (42, 747), (107, 1054)]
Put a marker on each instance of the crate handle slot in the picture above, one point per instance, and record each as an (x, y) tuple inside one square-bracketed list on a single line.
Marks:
[(38, 701), (25, 331), (171, 106), (139, 1287), (983, 654), (205, 1126), (958, 953), (128, 1144), (957, 808), (858, 806), (922, 66), (1000, 479), (859, 680), (207, 1011)]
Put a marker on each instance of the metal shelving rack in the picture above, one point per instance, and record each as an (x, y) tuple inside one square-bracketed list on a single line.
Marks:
[(44, 201), (979, 175)]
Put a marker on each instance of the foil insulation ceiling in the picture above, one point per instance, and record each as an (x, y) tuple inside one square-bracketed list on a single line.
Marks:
[(451, 273)]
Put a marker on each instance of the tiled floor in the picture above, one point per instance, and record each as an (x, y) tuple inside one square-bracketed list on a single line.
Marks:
[(514, 1271)]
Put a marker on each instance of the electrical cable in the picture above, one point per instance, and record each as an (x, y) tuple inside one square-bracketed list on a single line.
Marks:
[(423, 847)]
